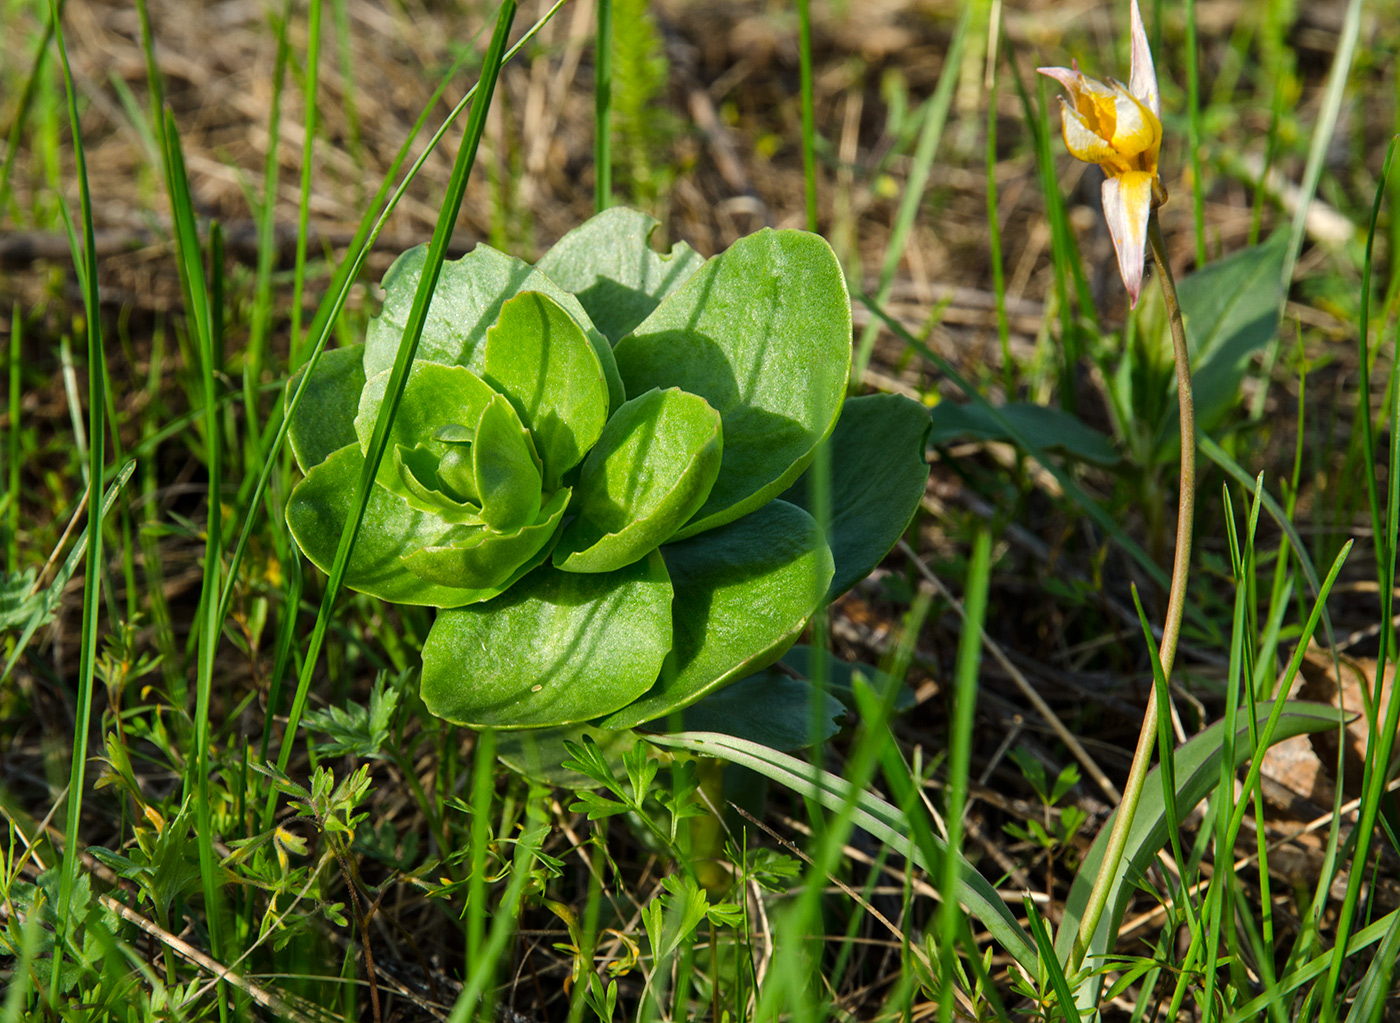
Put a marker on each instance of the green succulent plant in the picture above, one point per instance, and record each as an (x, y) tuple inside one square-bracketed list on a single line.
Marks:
[(596, 469)]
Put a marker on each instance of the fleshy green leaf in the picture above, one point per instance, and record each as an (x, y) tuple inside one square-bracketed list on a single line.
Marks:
[(391, 531), (435, 396), (652, 468), (770, 708), (486, 557), (618, 277), (1053, 429), (763, 333), (507, 468), (540, 359), (557, 648), (467, 301), (878, 476), (325, 418), (1231, 309), (743, 594)]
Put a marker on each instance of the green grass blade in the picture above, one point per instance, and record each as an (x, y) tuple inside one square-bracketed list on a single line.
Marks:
[(1373, 993), (398, 377), (881, 819), (85, 261), (1222, 458), (371, 225), (1364, 360), (930, 133), (1058, 981), (310, 89), (809, 118), (602, 107), (1332, 97), (260, 319), (960, 740), (192, 275), (26, 101), (1197, 765), (12, 498), (1314, 968)]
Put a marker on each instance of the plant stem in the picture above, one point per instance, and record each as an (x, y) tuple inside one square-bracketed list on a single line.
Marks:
[(1176, 602)]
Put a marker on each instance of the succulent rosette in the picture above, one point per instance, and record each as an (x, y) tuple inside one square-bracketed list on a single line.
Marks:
[(596, 469)]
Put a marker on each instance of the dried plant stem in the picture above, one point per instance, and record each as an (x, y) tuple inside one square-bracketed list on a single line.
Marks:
[(1176, 602)]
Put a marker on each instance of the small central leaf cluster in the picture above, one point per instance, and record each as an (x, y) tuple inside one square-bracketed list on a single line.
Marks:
[(591, 468)]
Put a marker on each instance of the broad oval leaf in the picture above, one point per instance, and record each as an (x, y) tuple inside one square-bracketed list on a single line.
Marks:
[(1053, 428), (507, 468), (652, 468), (391, 532), (434, 397), (540, 359), (488, 558), (557, 648), (619, 278), (763, 333), (743, 594), (324, 421), (466, 302), (878, 478)]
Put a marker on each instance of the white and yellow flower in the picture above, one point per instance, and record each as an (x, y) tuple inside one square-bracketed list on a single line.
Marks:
[(1120, 129)]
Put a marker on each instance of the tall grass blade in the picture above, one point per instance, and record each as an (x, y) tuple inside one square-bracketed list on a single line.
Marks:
[(930, 133), (809, 118), (85, 262), (398, 377), (12, 450), (876, 816), (1364, 364), (371, 225), (1326, 125), (979, 571), (309, 93), (201, 320), (26, 101), (602, 107), (1197, 763)]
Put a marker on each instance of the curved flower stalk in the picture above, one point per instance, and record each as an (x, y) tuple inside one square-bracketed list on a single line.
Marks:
[(1120, 129), (596, 469)]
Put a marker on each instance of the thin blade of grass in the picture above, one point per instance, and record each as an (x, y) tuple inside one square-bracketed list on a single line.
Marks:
[(371, 225), (873, 814), (310, 91), (602, 107), (85, 261), (935, 116), (979, 571), (1326, 126), (398, 377), (201, 321), (809, 122)]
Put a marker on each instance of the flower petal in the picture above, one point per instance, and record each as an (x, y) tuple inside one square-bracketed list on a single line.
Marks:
[(1143, 80), (1127, 204), (1082, 141), (1068, 77), (1136, 128)]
